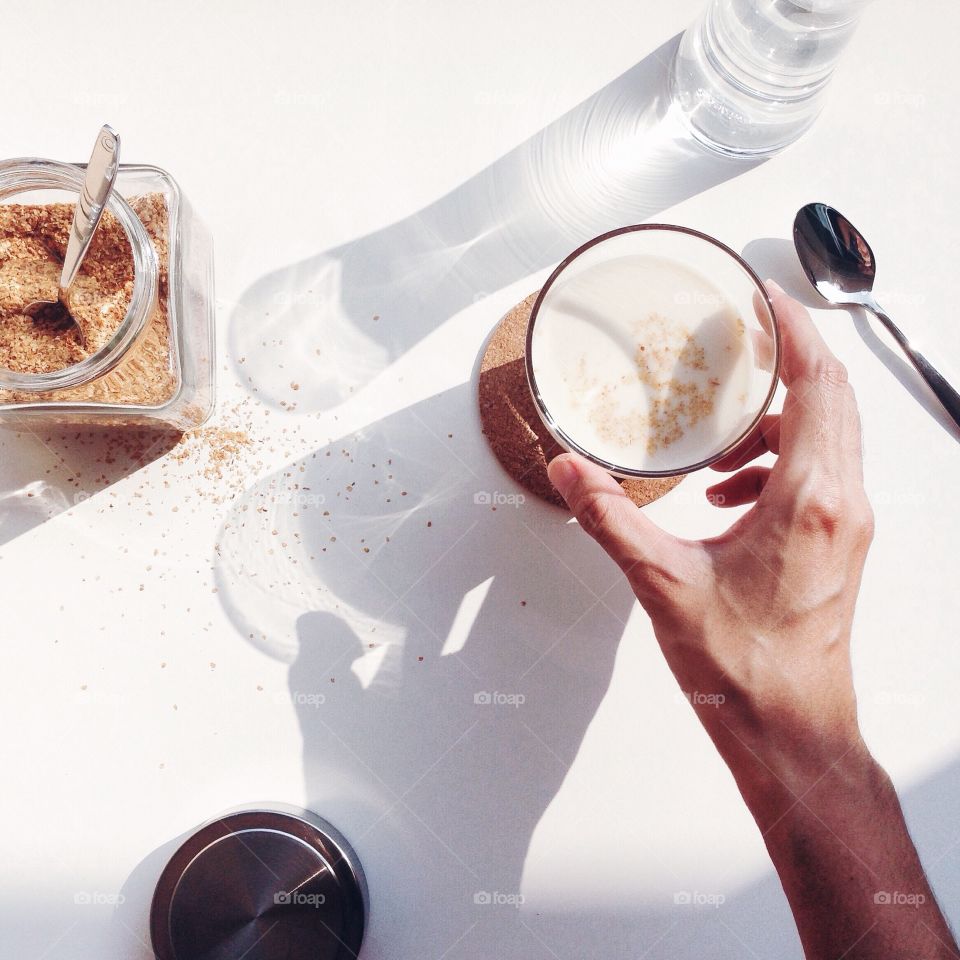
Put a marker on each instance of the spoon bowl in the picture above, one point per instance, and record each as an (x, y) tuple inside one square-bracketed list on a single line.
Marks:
[(835, 256)]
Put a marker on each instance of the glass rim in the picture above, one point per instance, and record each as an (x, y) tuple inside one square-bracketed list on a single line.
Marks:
[(26, 174), (617, 470)]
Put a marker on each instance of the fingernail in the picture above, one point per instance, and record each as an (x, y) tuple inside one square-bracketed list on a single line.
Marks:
[(773, 286), (563, 475)]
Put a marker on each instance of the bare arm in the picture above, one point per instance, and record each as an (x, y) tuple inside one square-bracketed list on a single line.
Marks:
[(762, 617)]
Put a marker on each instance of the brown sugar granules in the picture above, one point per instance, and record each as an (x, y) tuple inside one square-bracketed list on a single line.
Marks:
[(33, 239), (221, 446), (675, 404)]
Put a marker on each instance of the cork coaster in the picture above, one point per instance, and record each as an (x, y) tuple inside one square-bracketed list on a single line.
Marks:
[(510, 422)]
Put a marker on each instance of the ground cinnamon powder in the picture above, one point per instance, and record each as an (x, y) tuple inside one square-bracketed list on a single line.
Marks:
[(33, 240)]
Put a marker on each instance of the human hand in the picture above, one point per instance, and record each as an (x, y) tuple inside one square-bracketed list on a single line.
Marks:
[(761, 615)]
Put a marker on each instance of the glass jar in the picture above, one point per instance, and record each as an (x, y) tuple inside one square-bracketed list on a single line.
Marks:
[(157, 369)]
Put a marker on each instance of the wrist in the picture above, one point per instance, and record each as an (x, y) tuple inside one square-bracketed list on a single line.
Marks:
[(813, 772)]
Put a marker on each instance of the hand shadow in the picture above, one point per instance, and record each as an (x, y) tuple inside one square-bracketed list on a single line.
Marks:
[(342, 316), (443, 680), (777, 258)]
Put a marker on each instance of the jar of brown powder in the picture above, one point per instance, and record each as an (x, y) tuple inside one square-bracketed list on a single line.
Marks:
[(141, 351)]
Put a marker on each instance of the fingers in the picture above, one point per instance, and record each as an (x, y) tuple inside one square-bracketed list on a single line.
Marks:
[(764, 439), (820, 424), (805, 352), (638, 546), (743, 487)]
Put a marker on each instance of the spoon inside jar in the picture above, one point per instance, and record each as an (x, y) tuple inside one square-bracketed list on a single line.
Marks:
[(101, 174)]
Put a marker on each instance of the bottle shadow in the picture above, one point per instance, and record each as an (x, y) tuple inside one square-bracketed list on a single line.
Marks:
[(775, 257), (45, 471), (332, 322)]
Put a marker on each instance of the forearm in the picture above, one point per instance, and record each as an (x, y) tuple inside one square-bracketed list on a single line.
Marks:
[(851, 873)]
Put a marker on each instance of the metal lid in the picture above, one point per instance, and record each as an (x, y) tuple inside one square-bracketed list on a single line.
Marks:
[(261, 884)]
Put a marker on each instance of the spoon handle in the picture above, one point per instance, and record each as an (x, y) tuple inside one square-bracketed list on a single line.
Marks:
[(97, 184), (937, 382)]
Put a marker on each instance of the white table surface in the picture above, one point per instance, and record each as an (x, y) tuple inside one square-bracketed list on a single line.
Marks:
[(376, 158)]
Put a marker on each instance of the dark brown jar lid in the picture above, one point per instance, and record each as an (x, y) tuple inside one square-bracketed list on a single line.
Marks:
[(261, 884)]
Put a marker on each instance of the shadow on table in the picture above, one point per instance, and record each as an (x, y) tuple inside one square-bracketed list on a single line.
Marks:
[(332, 322), (451, 662), (46, 471), (458, 642), (777, 258)]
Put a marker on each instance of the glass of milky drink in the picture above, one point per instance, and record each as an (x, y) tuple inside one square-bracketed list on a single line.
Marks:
[(652, 350)]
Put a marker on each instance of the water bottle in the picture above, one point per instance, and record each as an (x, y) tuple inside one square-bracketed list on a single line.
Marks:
[(750, 76)]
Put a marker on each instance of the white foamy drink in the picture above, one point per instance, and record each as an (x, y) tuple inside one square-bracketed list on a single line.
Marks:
[(643, 363)]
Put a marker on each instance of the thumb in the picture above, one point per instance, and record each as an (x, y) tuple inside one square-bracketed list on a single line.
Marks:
[(639, 547)]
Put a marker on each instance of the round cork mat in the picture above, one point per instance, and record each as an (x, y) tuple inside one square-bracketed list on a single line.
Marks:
[(510, 422)]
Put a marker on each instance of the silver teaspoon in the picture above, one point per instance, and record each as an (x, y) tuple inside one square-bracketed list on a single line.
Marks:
[(98, 184), (839, 262)]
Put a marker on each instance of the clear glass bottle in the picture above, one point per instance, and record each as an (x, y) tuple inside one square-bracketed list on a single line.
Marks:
[(158, 368), (750, 76)]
